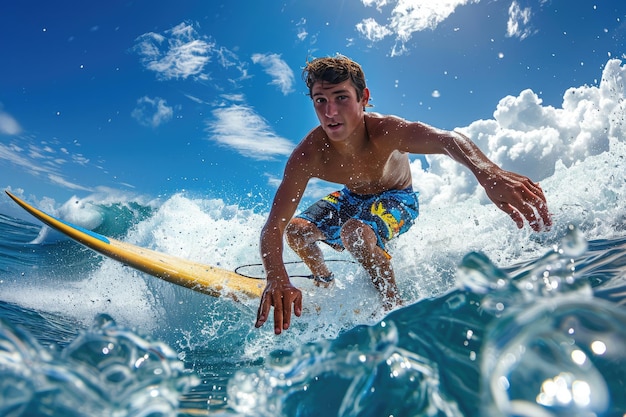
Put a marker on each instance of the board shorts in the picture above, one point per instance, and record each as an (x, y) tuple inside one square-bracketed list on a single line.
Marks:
[(389, 214)]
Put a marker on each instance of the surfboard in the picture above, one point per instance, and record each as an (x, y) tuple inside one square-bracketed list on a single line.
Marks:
[(206, 279)]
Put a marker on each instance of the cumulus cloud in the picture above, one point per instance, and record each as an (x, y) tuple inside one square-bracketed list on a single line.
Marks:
[(152, 112), (8, 125), (406, 18), (277, 68), (239, 127), (518, 23), (528, 137)]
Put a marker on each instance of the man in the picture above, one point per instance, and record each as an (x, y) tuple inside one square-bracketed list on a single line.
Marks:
[(368, 153)]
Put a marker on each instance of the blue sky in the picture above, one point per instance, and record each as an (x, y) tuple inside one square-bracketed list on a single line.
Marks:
[(155, 97)]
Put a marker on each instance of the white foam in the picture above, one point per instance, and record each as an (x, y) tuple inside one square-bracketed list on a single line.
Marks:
[(112, 289)]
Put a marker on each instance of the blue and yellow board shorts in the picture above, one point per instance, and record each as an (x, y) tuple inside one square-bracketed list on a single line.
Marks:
[(389, 214)]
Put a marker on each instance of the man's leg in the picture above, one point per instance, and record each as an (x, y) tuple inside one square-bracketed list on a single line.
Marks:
[(361, 241), (302, 236)]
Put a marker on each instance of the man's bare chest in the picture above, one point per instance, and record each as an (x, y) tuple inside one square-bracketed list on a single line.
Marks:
[(367, 172)]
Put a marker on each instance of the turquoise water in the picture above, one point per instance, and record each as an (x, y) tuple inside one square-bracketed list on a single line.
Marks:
[(497, 321), (85, 336)]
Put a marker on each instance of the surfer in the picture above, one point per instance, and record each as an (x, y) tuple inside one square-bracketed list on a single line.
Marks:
[(368, 154)]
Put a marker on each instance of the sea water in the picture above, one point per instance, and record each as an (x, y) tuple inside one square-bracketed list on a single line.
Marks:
[(497, 321)]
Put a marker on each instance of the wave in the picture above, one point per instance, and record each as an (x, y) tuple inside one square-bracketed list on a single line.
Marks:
[(110, 219), (532, 340), (211, 231)]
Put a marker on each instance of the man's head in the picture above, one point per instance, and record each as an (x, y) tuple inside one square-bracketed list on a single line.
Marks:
[(334, 70)]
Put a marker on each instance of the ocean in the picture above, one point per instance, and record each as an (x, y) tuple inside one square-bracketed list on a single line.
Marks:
[(497, 321)]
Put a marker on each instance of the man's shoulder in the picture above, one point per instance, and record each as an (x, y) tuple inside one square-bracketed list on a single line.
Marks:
[(312, 139), (374, 120), (309, 145), (380, 125)]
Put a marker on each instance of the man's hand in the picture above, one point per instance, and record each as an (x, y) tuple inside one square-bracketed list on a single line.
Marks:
[(280, 295), (520, 198)]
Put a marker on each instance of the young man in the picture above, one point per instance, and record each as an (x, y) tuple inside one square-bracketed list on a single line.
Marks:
[(368, 153)]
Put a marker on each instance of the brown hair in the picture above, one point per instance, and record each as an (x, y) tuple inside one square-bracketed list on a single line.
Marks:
[(334, 70)]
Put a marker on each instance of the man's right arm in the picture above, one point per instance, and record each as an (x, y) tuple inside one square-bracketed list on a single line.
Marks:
[(279, 292)]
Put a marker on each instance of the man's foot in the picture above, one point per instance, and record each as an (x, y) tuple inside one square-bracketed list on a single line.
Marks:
[(321, 281), (389, 303)]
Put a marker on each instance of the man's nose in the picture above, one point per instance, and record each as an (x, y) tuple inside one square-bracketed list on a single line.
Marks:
[(330, 110)]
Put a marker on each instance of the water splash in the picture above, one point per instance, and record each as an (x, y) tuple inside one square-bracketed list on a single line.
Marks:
[(365, 368), (106, 371), (554, 347), (494, 345), (560, 357)]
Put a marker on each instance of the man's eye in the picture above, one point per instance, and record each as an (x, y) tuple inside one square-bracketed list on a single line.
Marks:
[(319, 100)]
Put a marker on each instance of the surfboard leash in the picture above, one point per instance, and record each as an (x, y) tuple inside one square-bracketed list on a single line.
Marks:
[(308, 276)]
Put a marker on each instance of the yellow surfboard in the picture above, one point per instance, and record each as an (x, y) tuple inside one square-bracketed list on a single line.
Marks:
[(205, 279)]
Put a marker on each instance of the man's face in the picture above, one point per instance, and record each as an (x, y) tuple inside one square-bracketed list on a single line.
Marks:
[(338, 108)]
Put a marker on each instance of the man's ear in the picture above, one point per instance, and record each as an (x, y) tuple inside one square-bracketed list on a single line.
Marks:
[(366, 98)]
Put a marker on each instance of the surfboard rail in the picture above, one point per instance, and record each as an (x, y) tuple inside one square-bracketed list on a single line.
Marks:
[(206, 279)]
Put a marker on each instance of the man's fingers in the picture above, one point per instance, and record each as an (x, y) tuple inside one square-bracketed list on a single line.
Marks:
[(522, 199), (286, 312), (278, 314), (297, 305), (513, 214), (262, 313), (536, 189), (544, 213), (529, 204), (281, 299), (537, 212)]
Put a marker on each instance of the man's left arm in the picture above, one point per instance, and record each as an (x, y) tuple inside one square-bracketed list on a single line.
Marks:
[(513, 193)]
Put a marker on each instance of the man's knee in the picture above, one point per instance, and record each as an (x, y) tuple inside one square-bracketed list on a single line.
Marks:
[(357, 235), (300, 232)]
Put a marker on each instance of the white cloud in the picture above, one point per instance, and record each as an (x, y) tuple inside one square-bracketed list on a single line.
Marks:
[(40, 160), (8, 125), (407, 17), (527, 137), (372, 30), (179, 53), (61, 181), (80, 159), (275, 67), (517, 25), (379, 4), (195, 99), (302, 32), (239, 127), (152, 111), (182, 52), (239, 98), (14, 154)]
